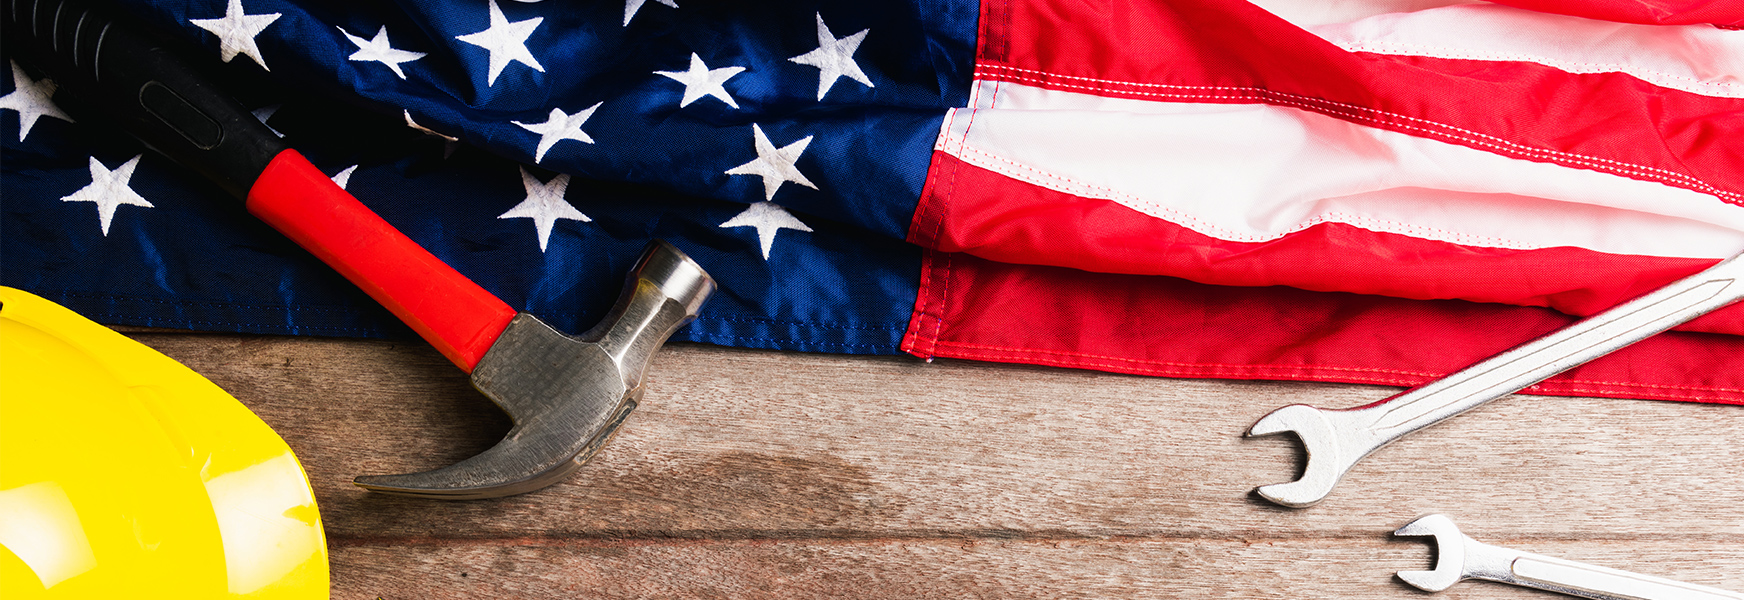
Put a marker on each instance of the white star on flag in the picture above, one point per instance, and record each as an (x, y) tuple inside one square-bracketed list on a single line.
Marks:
[(769, 219), (379, 50), (343, 178), (834, 58), (558, 127), (31, 100), (774, 165), (236, 32), (109, 191), (631, 6), (544, 205), (505, 41), (702, 81)]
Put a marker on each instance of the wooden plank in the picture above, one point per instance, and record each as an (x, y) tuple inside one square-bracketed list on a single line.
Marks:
[(857, 470), (749, 443), (954, 569)]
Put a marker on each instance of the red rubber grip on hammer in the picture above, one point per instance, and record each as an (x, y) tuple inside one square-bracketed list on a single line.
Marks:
[(454, 314)]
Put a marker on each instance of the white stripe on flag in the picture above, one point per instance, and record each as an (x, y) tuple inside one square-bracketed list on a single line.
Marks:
[(1254, 172), (1698, 59), (1307, 13)]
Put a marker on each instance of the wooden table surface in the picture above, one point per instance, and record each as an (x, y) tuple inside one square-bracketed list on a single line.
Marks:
[(759, 474)]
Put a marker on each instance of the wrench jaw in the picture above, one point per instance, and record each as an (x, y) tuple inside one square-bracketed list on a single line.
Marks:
[(1326, 461), (1449, 554)]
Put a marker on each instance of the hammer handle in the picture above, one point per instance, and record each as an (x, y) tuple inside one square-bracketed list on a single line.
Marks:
[(142, 83), (451, 312)]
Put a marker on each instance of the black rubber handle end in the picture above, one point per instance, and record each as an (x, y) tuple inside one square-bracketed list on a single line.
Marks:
[(144, 84)]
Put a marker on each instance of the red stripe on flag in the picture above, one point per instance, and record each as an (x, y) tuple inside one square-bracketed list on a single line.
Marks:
[(969, 209), (976, 309), (1233, 52)]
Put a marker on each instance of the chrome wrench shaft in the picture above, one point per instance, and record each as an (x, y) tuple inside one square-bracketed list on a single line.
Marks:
[(1337, 438), (1459, 558)]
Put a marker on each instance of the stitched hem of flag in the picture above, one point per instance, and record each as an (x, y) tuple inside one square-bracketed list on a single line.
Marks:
[(976, 309), (870, 338), (1326, 374)]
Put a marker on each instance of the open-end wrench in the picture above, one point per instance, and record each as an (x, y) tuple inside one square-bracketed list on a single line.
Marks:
[(1458, 558), (1337, 438)]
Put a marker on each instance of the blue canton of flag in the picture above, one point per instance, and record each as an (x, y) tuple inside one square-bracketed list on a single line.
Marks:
[(534, 147)]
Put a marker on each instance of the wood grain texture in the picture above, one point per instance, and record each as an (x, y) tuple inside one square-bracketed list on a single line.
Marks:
[(944, 569), (784, 475)]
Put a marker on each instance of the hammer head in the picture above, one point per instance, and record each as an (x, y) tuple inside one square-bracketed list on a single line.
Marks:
[(1449, 553), (566, 394)]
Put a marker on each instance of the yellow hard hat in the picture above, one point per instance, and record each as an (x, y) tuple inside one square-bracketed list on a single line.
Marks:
[(124, 474)]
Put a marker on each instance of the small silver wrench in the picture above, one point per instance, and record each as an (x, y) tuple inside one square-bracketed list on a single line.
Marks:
[(1458, 558), (1336, 439)]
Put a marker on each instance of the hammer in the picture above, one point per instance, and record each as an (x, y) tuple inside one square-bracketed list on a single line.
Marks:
[(566, 394)]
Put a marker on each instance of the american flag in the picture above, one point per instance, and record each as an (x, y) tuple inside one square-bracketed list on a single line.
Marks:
[(1375, 191)]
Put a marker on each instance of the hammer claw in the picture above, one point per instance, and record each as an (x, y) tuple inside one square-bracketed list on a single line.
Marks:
[(567, 395), (503, 470)]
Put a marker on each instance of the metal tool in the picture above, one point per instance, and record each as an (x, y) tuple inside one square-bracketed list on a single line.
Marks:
[(1458, 558), (566, 395), (1336, 439)]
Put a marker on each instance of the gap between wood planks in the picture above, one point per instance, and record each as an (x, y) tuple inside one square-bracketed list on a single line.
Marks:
[(728, 538)]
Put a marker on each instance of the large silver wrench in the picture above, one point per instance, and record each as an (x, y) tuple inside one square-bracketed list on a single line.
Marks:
[(1337, 438), (1458, 558)]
